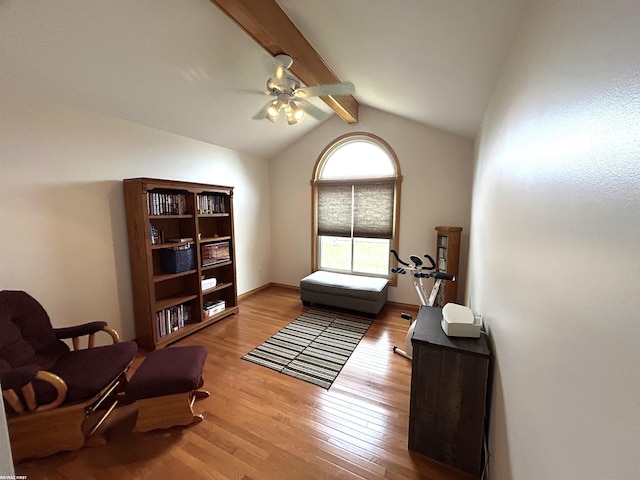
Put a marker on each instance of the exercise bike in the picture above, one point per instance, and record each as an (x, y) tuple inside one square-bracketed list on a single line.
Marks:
[(418, 271)]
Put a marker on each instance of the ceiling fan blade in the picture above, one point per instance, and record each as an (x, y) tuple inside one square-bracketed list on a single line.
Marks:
[(262, 113), (250, 91), (346, 88), (313, 111)]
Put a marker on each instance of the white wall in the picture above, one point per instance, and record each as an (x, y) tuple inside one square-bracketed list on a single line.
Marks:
[(6, 460), (554, 261), (437, 168), (63, 237)]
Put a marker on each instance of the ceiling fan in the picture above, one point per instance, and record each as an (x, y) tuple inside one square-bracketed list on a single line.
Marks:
[(291, 96)]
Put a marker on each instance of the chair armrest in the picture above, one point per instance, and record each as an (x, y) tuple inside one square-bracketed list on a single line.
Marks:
[(17, 376), (79, 330), (91, 328)]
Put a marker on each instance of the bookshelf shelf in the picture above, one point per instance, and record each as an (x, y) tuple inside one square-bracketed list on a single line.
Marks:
[(214, 239), (216, 265), (447, 261), (163, 304), (212, 215), (220, 286), (170, 245), (168, 217), (167, 275)]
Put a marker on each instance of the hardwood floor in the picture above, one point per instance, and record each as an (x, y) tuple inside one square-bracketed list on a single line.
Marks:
[(260, 424)]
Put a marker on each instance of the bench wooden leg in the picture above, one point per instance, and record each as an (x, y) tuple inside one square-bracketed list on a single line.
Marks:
[(166, 411)]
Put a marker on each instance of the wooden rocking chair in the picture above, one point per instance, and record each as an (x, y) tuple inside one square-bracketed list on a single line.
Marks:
[(51, 392)]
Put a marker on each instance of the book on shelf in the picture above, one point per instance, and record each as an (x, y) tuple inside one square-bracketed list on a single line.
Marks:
[(180, 239), (210, 203), (156, 235), (159, 203), (213, 308), (172, 319)]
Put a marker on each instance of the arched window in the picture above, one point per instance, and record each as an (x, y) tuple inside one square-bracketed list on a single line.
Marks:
[(356, 191)]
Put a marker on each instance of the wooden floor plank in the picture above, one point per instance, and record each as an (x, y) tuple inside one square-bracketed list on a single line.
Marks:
[(263, 425)]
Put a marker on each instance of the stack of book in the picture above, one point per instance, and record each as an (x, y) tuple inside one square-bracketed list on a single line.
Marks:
[(166, 203), (213, 308), (171, 319), (209, 204)]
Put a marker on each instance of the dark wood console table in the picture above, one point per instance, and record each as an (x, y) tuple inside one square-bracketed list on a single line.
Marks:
[(449, 384)]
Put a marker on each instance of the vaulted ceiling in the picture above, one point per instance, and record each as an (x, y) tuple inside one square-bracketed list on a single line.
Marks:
[(188, 68)]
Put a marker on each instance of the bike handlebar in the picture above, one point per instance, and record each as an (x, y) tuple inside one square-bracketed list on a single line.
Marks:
[(395, 254), (436, 275), (417, 262), (417, 268)]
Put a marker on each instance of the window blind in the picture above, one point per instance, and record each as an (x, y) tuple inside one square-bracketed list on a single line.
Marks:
[(373, 210), (335, 210), (363, 210)]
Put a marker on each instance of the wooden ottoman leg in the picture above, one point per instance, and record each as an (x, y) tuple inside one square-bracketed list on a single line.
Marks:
[(165, 411)]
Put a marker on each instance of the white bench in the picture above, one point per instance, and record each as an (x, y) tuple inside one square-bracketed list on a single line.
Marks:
[(353, 292)]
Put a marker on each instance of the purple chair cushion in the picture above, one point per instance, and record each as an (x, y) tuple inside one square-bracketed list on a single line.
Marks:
[(16, 378), (27, 314), (13, 348), (47, 357), (86, 372), (167, 372), (26, 334)]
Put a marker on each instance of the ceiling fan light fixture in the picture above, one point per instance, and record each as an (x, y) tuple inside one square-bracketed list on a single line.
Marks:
[(294, 111), (271, 118), (272, 110), (291, 119), (298, 112)]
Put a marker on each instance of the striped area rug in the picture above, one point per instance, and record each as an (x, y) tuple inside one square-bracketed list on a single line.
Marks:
[(314, 347)]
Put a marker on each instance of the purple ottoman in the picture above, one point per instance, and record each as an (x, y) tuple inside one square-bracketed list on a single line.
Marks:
[(165, 387)]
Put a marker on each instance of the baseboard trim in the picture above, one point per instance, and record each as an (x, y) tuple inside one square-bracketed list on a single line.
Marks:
[(264, 287), (289, 287), (250, 293), (407, 306)]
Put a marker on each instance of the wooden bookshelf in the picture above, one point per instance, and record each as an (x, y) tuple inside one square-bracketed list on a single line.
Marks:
[(169, 223), (448, 261)]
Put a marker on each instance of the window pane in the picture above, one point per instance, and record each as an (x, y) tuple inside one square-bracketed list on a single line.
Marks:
[(358, 159), (335, 253), (371, 256)]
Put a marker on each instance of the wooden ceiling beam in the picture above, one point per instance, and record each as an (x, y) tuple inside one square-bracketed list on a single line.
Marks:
[(274, 31)]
